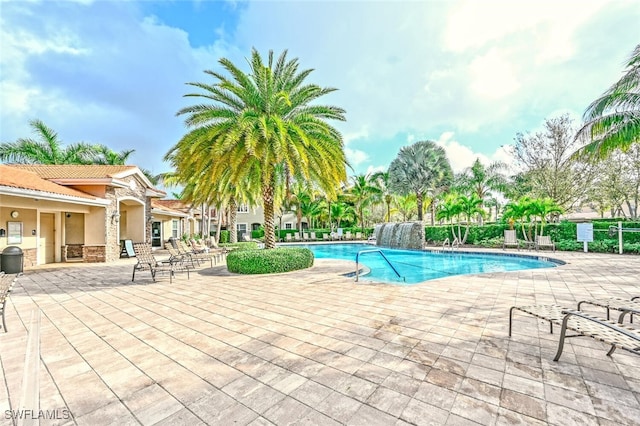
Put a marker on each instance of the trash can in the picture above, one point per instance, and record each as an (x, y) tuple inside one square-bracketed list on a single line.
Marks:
[(11, 262)]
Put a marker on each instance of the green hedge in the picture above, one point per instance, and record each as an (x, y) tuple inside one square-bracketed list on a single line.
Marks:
[(243, 245), (270, 261), (564, 234)]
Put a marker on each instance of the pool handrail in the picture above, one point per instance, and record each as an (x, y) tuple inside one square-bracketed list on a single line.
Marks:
[(383, 256)]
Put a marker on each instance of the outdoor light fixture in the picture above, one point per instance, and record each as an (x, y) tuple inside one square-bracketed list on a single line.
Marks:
[(115, 217)]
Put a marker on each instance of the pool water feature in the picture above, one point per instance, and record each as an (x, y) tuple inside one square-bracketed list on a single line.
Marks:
[(416, 266)]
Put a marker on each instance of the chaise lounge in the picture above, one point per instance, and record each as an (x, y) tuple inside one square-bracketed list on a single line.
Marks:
[(148, 262), (607, 331)]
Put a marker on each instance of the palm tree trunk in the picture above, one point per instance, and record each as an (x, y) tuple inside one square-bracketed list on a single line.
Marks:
[(233, 219), (433, 213), (269, 223), (219, 227), (419, 204)]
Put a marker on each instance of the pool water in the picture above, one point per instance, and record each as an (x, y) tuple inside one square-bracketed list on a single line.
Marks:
[(417, 266)]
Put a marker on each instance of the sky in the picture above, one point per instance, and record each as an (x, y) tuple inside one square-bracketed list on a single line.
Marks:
[(469, 75)]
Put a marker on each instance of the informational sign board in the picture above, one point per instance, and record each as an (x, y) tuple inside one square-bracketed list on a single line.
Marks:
[(585, 232)]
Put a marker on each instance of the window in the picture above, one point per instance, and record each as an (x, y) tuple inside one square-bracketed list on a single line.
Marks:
[(175, 228), (243, 208), (288, 226)]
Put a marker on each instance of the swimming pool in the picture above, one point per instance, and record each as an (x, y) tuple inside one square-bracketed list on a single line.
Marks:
[(417, 266)]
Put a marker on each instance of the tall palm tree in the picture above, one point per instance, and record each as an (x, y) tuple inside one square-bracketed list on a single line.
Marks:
[(106, 155), (613, 120), (46, 148), (257, 122), (362, 191), (407, 206), (341, 211), (381, 180), (484, 180), (422, 169)]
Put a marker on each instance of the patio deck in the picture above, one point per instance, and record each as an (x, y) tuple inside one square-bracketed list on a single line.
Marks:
[(314, 347)]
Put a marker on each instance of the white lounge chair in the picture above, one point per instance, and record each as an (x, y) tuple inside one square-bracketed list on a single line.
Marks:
[(510, 239), (296, 236), (544, 241), (347, 235)]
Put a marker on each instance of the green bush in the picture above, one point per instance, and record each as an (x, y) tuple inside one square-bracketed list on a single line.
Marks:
[(270, 261), (243, 245), (224, 237)]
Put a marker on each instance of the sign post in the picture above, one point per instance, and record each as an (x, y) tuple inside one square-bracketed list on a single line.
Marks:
[(585, 234)]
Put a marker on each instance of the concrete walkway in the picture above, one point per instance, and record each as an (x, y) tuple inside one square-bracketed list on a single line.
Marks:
[(313, 347)]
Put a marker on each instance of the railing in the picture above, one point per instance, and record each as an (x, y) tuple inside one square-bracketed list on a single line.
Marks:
[(452, 245), (381, 254)]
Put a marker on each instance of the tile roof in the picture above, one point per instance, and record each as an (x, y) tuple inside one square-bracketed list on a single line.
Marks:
[(74, 171), (17, 177), (172, 204)]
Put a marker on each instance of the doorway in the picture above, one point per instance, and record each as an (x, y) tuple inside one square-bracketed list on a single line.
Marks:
[(47, 241), (156, 234)]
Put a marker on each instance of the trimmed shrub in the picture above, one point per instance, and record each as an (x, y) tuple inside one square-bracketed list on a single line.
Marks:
[(243, 245), (224, 236), (283, 259)]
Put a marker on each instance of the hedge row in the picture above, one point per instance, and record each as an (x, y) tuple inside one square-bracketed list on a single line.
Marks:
[(276, 260), (243, 245), (564, 234)]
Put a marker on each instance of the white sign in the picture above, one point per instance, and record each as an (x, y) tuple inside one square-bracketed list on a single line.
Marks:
[(585, 232)]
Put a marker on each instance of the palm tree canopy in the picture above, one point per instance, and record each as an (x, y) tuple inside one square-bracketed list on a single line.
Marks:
[(257, 124), (46, 148), (420, 168), (613, 120)]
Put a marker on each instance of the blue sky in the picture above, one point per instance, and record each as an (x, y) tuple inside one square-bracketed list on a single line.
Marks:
[(467, 74)]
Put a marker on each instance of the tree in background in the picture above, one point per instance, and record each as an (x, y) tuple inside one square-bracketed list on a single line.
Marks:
[(617, 184), (407, 206), (257, 123), (422, 169), (362, 192), (613, 120), (484, 181), (548, 166), (106, 155), (381, 180), (46, 148)]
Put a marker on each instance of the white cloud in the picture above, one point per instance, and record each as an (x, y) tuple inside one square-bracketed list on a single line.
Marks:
[(462, 156), (355, 157), (493, 76)]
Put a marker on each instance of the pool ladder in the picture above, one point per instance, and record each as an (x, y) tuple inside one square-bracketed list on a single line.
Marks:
[(454, 245), (381, 254)]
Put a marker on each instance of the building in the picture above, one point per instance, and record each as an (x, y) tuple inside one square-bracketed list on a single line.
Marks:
[(64, 213)]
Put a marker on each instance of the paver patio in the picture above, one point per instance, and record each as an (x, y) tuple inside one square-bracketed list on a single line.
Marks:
[(314, 347)]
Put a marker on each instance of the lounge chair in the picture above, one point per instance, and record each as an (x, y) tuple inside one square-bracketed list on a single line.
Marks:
[(347, 235), (326, 237), (148, 262), (544, 241), (313, 236), (199, 256), (609, 332), (305, 236), (7, 281), (625, 306), (510, 239), (288, 238), (358, 235), (296, 236)]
